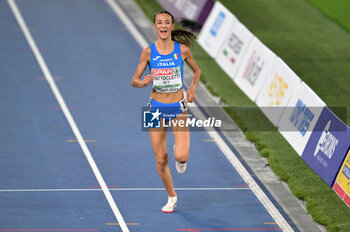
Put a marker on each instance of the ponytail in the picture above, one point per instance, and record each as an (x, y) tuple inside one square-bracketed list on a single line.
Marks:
[(179, 35), (183, 37)]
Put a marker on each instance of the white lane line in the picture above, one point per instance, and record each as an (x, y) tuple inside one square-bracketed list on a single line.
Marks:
[(120, 189), (67, 113), (283, 224), (129, 25), (259, 193)]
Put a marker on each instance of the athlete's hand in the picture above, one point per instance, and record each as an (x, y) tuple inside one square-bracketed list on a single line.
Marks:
[(147, 80), (190, 96)]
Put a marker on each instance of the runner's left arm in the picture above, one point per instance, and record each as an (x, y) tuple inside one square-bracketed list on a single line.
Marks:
[(187, 56)]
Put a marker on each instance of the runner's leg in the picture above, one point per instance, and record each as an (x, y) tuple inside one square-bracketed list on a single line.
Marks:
[(158, 139)]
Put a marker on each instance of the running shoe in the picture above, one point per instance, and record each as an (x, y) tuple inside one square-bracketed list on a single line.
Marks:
[(170, 205), (180, 167)]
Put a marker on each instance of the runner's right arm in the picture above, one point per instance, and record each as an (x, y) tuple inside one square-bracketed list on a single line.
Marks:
[(136, 79)]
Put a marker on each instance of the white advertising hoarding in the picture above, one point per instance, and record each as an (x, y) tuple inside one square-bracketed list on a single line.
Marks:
[(299, 118), (280, 84), (233, 48), (215, 29), (255, 66)]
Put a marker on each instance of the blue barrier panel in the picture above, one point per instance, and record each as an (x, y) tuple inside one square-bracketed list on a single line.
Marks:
[(327, 146)]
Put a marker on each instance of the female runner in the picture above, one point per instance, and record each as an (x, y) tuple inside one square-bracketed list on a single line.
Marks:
[(165, 58)]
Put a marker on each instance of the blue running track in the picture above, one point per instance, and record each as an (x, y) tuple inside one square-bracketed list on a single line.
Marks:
[(47, 184)]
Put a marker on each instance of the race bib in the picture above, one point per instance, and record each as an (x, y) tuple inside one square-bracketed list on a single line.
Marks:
[(167, 79)]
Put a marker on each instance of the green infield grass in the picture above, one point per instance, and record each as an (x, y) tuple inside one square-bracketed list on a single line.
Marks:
[(337, 10)]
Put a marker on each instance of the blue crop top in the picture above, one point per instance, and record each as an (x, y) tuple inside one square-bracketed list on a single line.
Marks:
[(167, 70)]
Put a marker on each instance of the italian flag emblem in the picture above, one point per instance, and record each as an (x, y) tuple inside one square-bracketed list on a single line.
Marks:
[(176, 56)]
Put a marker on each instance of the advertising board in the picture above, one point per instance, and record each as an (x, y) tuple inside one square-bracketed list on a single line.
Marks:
[(279, 86), (300, 116), (215, 29), (327, 146), (254, 68)]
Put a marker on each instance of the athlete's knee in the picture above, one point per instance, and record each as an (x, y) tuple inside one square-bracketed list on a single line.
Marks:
[(181, 157), (162, 160), (181, 154)]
